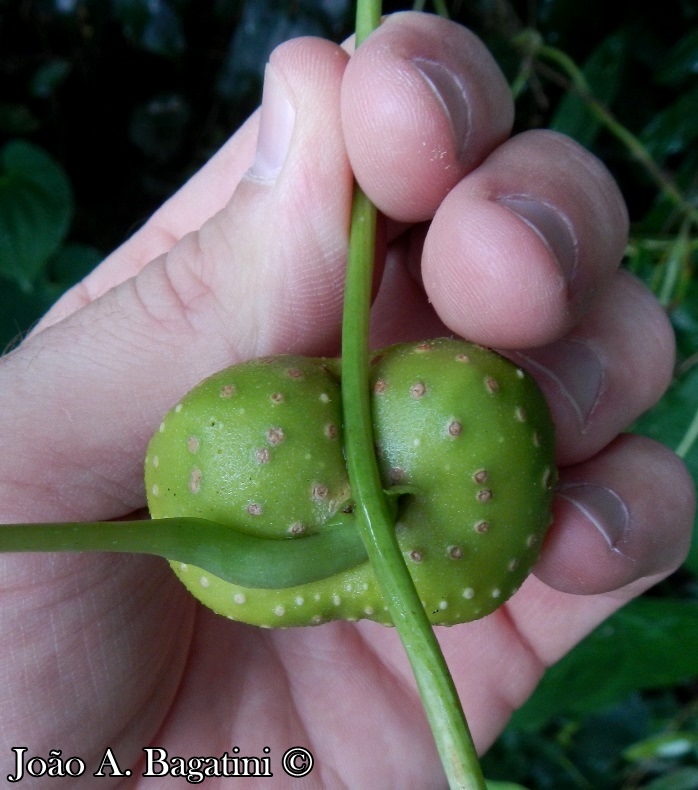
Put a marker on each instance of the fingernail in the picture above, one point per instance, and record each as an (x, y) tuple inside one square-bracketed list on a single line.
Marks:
[(576, 370), (449, 91), (276, 121), (602, 507), (554, 229)]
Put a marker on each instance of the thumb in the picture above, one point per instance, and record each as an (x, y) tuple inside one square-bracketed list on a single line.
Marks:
[(286, 226), (264, 274)]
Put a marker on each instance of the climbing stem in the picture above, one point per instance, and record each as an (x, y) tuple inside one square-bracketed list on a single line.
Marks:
[(229, 553), (689, 439), (374, 519), (376, 525), (368, 17)]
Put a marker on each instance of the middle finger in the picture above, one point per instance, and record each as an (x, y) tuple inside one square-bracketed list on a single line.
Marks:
[(611, 368)]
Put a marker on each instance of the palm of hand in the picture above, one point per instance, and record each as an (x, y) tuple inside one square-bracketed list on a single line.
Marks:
[(140, 664)]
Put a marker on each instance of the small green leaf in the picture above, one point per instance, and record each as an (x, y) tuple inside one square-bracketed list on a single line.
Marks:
[(36, 206), (651, 643), (503, 786), (667, 745)]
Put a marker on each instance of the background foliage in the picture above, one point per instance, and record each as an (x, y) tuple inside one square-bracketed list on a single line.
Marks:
[(107, 106)]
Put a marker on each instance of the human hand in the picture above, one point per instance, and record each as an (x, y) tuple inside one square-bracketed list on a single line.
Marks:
[(522, 251)]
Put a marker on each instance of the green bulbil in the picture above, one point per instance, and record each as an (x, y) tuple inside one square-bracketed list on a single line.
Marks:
[(470, 434), (465, 446), (257, 446)]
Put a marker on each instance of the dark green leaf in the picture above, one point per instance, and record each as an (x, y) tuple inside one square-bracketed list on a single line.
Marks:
[(19, 311), (681, 62), (154, 27), (675, 129), (72, 263), (36, 205), (603, 72), (663, 215), (264, 25), (16, 119), (680, 779), (50, 77), (159, 125), (651, 643), (595, 743)]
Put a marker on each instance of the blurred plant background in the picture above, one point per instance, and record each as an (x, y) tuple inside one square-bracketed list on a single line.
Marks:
[(107, 106)]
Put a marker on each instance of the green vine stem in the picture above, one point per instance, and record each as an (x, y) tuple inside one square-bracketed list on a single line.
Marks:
[(376, 526), (374, 520), (689, 439), (231, 554), (675, 267)]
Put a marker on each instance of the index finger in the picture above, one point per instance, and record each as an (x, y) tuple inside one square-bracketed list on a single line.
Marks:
[(424, 101)]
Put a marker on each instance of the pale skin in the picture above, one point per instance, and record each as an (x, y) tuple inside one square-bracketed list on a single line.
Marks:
[(246, 260)]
